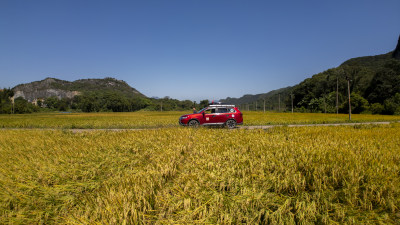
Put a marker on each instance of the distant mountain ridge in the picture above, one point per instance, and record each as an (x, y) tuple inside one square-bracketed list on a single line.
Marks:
[(271, 96), (52, 87)]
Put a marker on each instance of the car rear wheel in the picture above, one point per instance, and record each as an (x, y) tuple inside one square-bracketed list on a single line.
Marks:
[(193, 123), (230, 124)]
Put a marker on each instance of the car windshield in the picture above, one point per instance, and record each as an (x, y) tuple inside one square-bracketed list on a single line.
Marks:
[(202, 110)]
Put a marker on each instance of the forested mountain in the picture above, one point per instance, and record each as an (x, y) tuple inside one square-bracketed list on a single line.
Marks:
[(374, 86), (86, 95)]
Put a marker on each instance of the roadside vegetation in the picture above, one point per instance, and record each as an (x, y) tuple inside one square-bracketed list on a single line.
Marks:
[(324, 175)]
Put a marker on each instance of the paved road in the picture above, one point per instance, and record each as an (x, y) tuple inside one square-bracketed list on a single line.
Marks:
[(239, 127)]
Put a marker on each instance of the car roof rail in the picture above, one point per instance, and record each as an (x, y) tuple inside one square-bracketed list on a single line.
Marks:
[(216, 103), (221, 106)]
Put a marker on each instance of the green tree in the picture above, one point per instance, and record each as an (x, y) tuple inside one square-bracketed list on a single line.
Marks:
[(52, 102), (315, 104), (204, 103), (23, 106), (376, 108), (358, 103), (392, 105), (5, 100), (63, 104)]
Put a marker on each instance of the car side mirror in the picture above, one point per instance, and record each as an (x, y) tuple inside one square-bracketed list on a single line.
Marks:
[(203, 113)]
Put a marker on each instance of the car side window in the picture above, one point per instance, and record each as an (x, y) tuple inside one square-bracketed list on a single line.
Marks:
[(222, 110), (219, 110), (209, 111)]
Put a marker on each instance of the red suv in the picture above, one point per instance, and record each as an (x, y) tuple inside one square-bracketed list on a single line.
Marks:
[(227, 115)]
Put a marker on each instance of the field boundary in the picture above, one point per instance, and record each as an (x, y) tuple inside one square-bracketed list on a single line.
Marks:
[(252, 127)]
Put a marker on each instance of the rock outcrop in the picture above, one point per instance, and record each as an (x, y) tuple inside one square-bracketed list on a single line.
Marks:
[(51, 87), (43, 94)]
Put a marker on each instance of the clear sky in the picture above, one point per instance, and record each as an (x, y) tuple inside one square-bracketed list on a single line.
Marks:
[(190, 49)]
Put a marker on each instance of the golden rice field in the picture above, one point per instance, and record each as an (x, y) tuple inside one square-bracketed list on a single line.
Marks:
[(301, 175), (145, 119)]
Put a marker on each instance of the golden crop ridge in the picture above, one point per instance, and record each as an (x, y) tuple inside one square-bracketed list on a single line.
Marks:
[(283, 175), (143, 119)]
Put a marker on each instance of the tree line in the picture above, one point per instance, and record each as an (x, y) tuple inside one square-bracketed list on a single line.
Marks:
[(374, 89), (94, 101)]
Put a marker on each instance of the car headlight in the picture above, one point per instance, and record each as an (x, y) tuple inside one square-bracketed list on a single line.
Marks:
[(184, 117)]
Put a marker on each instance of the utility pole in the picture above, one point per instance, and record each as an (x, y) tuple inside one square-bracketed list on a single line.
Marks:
[(348, 90), (13, 107), (337, 95), (264, 105), (161, 106), (291, 95), (256, 105), (279, 103)]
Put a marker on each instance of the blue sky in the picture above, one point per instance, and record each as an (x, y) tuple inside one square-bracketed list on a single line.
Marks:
[(190, 49)]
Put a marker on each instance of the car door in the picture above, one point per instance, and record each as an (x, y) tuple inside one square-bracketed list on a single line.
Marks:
[(221, 115), (208, 116), (211, 116)]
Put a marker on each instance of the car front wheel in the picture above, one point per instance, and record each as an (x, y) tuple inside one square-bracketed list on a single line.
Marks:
[(230, 124), (193, 123)]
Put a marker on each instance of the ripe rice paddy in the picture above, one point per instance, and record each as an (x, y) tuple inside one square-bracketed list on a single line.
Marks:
[(175, 175), (145, 119)]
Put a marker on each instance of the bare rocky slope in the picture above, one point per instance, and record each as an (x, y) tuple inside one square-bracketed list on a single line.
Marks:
[(52, 87)]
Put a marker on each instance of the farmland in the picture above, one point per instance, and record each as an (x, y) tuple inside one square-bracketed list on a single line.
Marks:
[(178, 175), (143, 119)]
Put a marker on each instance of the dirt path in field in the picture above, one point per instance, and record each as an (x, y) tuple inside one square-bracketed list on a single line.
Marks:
[(238, 127), (316, 125)]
